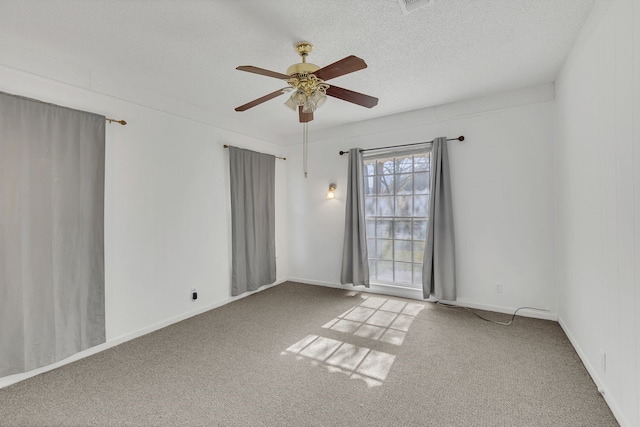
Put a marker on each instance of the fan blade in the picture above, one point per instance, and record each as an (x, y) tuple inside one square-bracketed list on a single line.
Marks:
[(260, 100), (351, 96), (262, 71), (340, 68), (304, 117)]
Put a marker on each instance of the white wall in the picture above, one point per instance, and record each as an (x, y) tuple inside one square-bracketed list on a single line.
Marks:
[(598, 204), (502, 189), (167, 209)]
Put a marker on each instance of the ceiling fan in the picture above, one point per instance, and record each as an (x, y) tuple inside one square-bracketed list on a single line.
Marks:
[(308, 83)]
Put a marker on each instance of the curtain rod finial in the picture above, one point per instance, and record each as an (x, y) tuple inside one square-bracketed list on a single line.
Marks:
[(122, 122)]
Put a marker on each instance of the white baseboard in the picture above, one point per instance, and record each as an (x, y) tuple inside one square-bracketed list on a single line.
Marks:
[(602, 387), (416, 294), (535, 314), (12, 379)]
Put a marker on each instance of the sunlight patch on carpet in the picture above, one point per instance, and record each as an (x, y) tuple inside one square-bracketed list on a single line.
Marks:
[(377, 319), (357, 362)]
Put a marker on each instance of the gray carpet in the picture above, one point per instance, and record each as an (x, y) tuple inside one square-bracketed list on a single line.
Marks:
[(300, 355)]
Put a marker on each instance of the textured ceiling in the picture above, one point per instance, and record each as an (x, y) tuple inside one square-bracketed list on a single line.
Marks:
[(180, 56)]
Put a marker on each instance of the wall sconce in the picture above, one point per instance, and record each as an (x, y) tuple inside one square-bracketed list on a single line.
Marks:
[(331, 194)]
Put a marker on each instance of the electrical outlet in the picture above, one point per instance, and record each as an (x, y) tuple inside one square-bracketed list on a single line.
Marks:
[(603, 360), (498, 288), (194, 294)]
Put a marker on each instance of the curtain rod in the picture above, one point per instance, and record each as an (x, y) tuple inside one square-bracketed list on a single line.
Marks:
[(281, 158), (122, 122), (460, 138)]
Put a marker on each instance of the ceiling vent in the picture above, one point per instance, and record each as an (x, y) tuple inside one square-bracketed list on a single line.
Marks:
[(409, 6)]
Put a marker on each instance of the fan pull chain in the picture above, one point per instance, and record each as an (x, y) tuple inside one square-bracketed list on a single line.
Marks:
[(305, 142)]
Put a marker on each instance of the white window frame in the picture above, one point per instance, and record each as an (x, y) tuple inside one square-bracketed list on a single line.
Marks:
[(377, 198)]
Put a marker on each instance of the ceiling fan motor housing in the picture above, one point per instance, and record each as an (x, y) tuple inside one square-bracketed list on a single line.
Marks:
[(302, 68), (299, 70), (302, 77)]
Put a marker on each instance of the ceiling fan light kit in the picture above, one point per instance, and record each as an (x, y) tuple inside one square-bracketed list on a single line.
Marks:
[(307, 82)]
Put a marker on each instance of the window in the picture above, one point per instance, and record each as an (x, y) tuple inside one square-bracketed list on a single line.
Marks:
[(396, 208)]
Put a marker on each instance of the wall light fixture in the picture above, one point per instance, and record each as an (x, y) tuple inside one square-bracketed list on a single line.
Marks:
[(332, 189)]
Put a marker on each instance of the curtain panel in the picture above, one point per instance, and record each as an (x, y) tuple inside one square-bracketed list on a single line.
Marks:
[(51, 233), (253, 248), (355, 265), (438, 269)]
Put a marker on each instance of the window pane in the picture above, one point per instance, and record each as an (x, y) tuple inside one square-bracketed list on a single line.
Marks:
[(421, 206), (369, 168), (385, 167), (371, 228), (385, 249), (402, 229), (386, 184), (403, 164), (385, 206), (384, 228), (403, 205), (403, 272), (369, 186), (372, 269), (417, 274), (418, 252), (369, 206), (419, 229), (421, 183), (385, 270), (404, 183), (421, 163), (402, 250), (371, 248)]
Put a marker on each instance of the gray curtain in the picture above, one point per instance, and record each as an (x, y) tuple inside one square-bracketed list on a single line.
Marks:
[(355, 266), (439, 270), (253, 251), (51, 233)]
